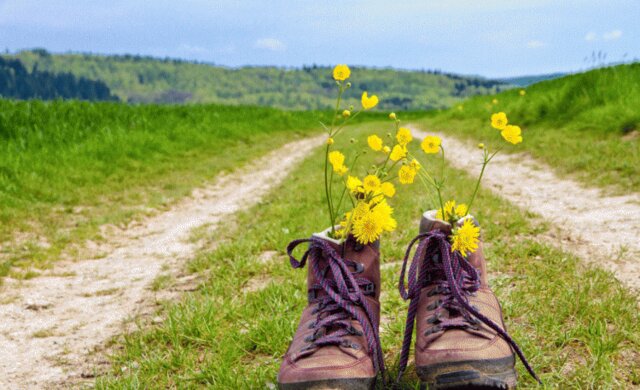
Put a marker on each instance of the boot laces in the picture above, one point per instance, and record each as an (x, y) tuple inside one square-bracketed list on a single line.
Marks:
[(344, 292)]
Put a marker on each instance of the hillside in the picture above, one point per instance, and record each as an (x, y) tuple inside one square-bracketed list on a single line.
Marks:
[(146, 79), (523, 81), (17, 82), (586, 124)]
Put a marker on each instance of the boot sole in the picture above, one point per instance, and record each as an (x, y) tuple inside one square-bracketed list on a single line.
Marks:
[(335, 384), (470, 374)]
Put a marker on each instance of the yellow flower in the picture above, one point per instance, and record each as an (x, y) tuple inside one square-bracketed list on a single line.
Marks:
[(404, 136), (431, 144), (383, 212), (406, 174), (375, 142), (336, 159), (369, 102), (353, 184), (465, 238), (371, 183), (393, 116), (386, 150), (368, 227), (480, 146), (346, 113), (398, 153), (415, 164), (461, 210), (499, 120), (523, 92), (494, 101), (512, 134), (329, 141), (342, 170), (387, 189), (449, 209), (341, 72)]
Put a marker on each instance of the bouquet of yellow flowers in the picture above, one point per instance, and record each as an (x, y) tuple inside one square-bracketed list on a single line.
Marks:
[(361, 208)]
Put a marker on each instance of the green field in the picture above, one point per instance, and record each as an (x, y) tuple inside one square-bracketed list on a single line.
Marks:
[(223, 336), (587, 125), (64, 165), (146, 79)]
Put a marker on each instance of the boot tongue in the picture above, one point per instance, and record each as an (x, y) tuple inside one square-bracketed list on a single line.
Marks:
[(430, 223)]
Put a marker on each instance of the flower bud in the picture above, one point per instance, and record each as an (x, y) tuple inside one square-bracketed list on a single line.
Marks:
[(351, 107), (393, 116), (349, 85), (386, 150), (389, 135), (329, 141), (352, 140), (346, 113), (480, 146)]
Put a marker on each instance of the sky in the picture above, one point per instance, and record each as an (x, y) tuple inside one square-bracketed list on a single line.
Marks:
[(493, 38)]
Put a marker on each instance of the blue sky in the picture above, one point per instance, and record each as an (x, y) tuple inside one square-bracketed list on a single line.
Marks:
[(495, 38)]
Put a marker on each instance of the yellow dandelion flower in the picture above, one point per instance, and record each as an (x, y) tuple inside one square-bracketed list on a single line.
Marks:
[(329, 141), (461, 210), (369, 102), (431, 144), (465, 238), (371, 183), (346, 113), (523, 92), (398, 153), (387, 189), (336, 159), (383, 214), (406, 174), (480, 146), (404, 136), (354, 184), (375, 142), (368, 228), (393, 116), (449, 210), (386, 150), (512, 134), (499, 120), (341, 72), (341, 170)]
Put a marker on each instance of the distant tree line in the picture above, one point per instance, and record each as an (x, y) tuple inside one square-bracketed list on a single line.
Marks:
[(17, 82)]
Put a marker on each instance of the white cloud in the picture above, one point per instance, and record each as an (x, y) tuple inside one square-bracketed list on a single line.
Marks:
[(612, 35), (535, 44), (591, 36), (270, 44), (191, 49)]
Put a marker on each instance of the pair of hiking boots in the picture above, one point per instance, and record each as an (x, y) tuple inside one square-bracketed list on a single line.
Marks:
[(461, 340)]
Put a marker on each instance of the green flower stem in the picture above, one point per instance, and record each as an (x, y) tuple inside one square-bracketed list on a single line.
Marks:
[(485, 161)]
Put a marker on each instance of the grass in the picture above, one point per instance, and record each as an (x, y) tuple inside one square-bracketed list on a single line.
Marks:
[(586, 125), (68, 167), (579, 327)]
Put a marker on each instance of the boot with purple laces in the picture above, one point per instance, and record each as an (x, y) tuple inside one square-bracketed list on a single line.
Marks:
[(461, 339), (337, 344)]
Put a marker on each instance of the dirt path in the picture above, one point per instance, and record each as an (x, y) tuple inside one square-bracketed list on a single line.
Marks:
[(53, 322), (601, 229)]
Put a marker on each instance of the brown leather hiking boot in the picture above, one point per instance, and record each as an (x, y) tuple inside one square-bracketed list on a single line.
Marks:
[(337, 344), (461, 339)]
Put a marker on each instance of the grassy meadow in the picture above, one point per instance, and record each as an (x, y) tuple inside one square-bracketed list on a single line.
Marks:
[(64, 165), (586, 125), (232, 331)]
